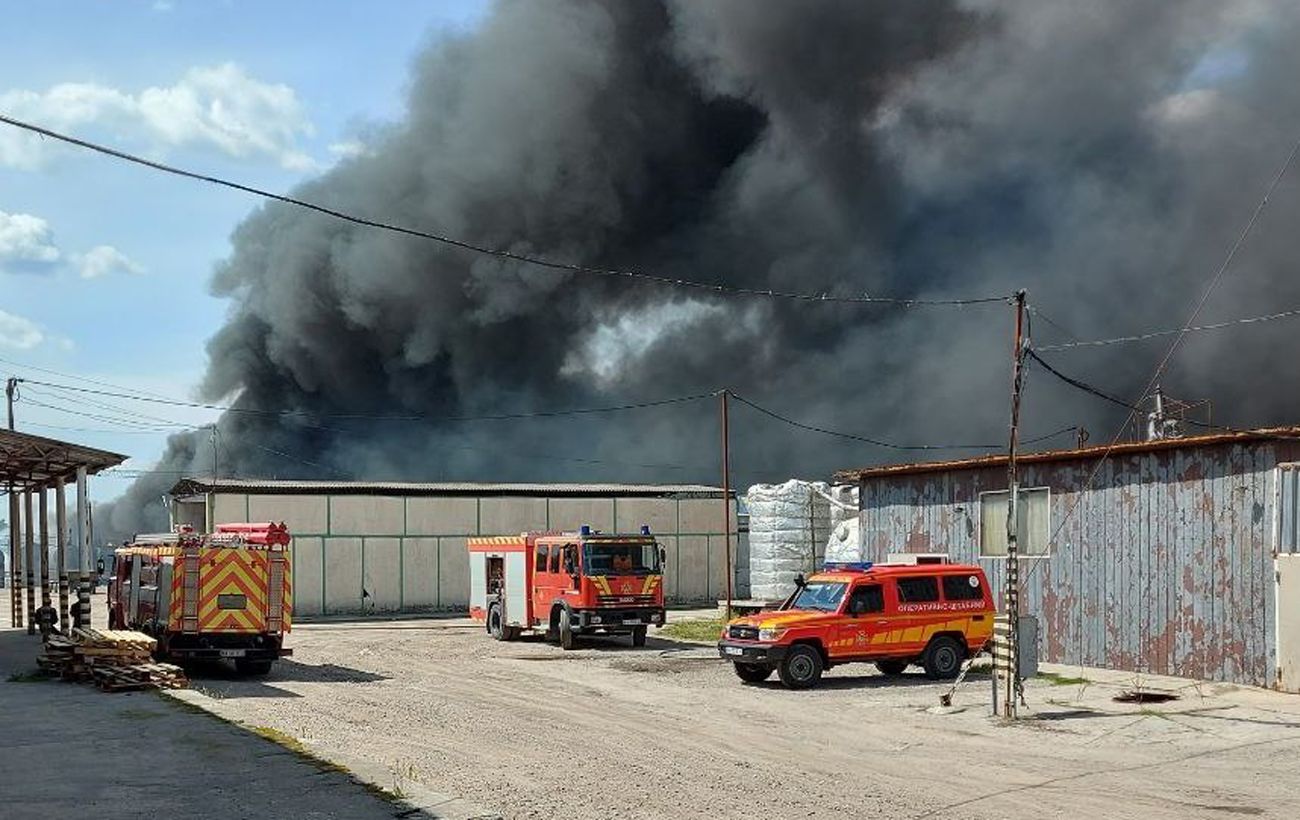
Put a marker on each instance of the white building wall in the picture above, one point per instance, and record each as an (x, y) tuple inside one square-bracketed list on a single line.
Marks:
[(377, 554)]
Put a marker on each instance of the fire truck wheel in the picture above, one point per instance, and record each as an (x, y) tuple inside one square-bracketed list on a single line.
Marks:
[(942, 658), (496, 622), (801, 667), (568, 640), (638, 636), (245, 666), (752, 673), (892, 668)]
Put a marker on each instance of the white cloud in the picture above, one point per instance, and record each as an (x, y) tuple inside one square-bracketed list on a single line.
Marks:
[(102, 260), (347, 149), (17, 332), (26, 243), (1187, 107), (162, 6), (218, 107)]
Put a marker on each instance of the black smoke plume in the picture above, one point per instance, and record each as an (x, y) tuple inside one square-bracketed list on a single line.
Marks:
[(1103, 156)]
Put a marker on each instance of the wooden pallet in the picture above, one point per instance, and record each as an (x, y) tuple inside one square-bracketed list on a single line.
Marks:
[(139, 676), (114, 639)]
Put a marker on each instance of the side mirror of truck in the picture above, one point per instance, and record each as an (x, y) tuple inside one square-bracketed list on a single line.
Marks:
[(663, 558), (799, 581)]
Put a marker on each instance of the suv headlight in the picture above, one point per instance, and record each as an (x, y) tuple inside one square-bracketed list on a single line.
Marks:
[(770, 634)]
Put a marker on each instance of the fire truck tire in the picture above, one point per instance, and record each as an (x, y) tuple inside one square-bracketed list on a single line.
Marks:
[(752, 673), (496, 623), (942, 658), (245, 666), (638, 636), (801, 668), (892, 668), (568, 640)]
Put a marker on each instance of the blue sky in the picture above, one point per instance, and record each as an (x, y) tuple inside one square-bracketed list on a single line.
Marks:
[(104, 267)]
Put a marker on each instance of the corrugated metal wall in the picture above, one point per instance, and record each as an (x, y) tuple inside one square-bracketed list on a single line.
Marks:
[(1166, 565)]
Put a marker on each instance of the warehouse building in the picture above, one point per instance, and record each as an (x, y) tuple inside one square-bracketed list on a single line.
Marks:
[(363, 547), (1179, 557)]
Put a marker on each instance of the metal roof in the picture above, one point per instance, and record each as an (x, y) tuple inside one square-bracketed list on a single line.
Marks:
[(1083, 453), (29, 461), (254, 486)]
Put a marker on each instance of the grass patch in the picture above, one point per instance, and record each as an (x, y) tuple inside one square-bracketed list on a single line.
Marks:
[(1062, 680), (29, 676), (704, 630)]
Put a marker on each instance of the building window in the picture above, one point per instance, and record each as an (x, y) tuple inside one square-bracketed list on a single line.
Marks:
[(1033, 526), (962, 588), (918, 590)]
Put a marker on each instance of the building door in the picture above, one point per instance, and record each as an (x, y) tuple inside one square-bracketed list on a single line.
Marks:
[(1286, 548)]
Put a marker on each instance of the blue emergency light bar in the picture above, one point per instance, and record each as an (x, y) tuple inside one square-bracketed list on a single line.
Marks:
[(846, 566), (586, 529)]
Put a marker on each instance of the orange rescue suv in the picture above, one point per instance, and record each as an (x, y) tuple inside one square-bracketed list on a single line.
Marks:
[(893, 615)]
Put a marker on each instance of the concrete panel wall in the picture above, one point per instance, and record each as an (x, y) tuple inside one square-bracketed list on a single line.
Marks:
[(306, 576), (692, 568), (669, 544), (366, 515), (571, 513), (701, 515), (302, 513), (419, 572), (229, 509), (660, 514), (382, 573), (441, 516), (510, 516), (453, 573), (342, 575)]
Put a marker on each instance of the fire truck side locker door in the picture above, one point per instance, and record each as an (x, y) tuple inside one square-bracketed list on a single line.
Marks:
[(517, 588), (133, 605), (478, 581), (163, 602)]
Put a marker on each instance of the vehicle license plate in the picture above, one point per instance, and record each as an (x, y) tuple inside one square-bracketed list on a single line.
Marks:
[(232, 653), (733, 650), (631, 621)]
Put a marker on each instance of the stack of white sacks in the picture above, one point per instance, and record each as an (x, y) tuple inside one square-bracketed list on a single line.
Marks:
[(788, 527), (845, 543)]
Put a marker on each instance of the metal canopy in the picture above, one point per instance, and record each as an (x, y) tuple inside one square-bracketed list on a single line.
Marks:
[(31, 462)]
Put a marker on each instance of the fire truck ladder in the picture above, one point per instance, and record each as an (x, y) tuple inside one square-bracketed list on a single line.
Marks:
[(275, 593), (190, 588)]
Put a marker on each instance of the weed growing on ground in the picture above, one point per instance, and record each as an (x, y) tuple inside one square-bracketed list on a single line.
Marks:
[(1063, 680), (704, 630), (29, 676)]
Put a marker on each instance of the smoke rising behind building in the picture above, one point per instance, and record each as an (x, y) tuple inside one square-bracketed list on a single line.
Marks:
[(1102, 158)]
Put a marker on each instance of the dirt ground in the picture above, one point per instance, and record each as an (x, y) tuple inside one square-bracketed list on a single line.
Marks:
[(606, 731)]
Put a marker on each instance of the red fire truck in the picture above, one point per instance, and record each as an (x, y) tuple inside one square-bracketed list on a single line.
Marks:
[(567, 584), (223, 595)]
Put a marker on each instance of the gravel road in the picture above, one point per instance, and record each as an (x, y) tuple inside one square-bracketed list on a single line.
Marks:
[(608, 731)]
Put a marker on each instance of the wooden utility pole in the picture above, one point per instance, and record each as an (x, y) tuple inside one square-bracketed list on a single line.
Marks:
[(726, 497), (1011, 689)]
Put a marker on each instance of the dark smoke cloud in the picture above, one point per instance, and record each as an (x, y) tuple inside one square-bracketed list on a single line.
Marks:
[(1102, 156)]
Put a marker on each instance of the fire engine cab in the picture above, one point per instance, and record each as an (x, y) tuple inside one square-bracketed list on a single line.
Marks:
[(567, 584), (893, 615)]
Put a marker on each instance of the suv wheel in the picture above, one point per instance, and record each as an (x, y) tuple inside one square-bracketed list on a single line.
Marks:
[(943, 657), (892, 668), (801, 668), (752, 673)]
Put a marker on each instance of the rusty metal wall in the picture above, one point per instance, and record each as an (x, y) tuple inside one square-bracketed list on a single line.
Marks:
[(1164, 566)]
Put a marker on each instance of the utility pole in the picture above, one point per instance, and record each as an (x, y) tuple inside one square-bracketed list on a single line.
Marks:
[(11, 385), (1012, 687), (726, 496), (214, 451)]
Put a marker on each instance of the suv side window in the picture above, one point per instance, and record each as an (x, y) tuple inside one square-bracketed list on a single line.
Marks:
[(962, 588), (918, 590), (866, 599), (540, 562)]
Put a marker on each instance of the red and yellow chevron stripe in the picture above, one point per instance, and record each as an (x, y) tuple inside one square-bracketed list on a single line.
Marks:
[(232, 572)]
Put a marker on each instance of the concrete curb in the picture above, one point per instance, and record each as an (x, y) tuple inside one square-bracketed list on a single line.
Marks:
[(415, 797)]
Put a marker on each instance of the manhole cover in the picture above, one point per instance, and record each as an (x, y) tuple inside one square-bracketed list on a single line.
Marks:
[(1144, 696)]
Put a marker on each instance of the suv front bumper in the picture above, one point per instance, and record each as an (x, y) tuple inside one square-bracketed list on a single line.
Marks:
[(757, 653)]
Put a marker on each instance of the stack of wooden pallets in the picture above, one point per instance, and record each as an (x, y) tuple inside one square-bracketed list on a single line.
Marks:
[(114, 660)]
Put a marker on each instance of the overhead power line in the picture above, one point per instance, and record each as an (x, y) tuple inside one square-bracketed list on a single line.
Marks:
[(878, 442), (1081, 385), (1156, 334), (379, 416), (499, 253)]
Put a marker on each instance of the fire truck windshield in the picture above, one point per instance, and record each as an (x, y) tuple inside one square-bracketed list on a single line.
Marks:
[(819, 595), (614, 558)]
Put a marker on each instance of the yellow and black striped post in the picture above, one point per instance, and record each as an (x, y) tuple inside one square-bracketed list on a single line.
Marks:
[(15, 562), (29, 541), (85, 560), (61, 551), (43, 521)]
